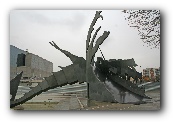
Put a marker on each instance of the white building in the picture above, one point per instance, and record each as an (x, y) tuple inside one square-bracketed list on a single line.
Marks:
[(153, 74)]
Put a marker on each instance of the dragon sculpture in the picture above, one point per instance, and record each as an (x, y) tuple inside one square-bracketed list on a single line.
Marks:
[(106, 78)]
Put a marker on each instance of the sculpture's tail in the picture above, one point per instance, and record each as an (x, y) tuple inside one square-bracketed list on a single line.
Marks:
[(68, 75), (14, 83)]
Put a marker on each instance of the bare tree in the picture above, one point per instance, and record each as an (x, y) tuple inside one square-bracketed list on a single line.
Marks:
[(147, 23)]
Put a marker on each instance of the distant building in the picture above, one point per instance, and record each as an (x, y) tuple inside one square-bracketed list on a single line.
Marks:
[(33, 66), (151, 74)]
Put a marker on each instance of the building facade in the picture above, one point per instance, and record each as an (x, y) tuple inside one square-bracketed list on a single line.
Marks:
[(151, 74), (33, 66)]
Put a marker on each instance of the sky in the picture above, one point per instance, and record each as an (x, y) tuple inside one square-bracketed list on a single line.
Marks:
[(34, 29)]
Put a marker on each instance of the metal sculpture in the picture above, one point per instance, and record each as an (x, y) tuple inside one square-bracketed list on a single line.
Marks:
[(14, 83), (105, 79)]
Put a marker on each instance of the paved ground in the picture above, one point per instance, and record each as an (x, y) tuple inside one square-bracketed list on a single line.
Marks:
[(151, 104), (117, 106), (73, 102)]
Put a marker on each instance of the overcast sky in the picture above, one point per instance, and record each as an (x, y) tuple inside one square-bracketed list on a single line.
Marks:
[(34, 29)]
